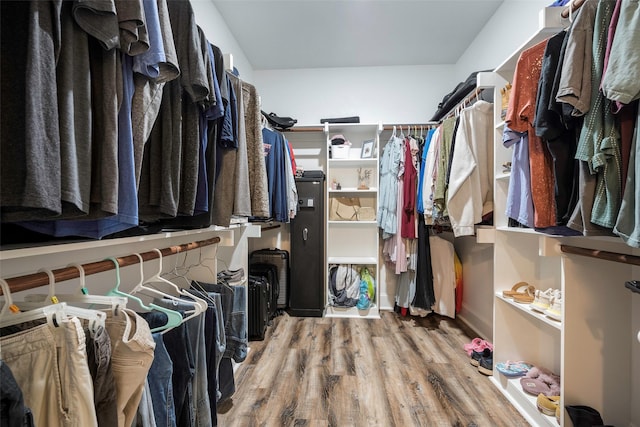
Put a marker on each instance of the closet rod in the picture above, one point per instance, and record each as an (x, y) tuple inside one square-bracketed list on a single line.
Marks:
[(594, 253), (573, 6), (467, 100), (404, 125), (304, 129), (30, 281)]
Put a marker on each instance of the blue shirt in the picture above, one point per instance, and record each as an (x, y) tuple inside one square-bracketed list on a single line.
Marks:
[(519, 199), (425, 149)]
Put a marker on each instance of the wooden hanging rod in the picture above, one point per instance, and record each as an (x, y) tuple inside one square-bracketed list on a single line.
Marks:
[(305, 129), (573, 6), (35, 280), (608, 256)]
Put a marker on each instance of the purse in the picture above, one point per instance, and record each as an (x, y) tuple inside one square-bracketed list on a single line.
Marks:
[(343, 208), (351, 209)]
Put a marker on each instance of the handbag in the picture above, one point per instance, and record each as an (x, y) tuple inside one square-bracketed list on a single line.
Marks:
[(343, 208), (351, 209)]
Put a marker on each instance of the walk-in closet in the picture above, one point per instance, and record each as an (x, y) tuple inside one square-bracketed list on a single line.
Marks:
[(319, 213)]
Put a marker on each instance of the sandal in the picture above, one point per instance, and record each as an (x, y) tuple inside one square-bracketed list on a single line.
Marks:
[(515, 289), (513, 369), (525, 297)]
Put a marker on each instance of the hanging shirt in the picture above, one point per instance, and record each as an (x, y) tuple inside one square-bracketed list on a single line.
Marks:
[(275, 161), (599, 143), (388, 196), (429, 176), (519, 200), (127, 216), (627, 223), (409, 184), (621, 81), (575, 81), (425, 149), (520, 117), (470, 193)]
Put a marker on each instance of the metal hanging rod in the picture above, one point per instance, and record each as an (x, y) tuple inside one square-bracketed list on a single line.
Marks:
[(30, 281), (595, 253)]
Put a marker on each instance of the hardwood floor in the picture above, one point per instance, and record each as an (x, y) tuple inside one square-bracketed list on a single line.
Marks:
[(357, 372)]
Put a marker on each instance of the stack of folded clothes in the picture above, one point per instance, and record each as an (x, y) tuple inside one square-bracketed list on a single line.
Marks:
[(232, 276)]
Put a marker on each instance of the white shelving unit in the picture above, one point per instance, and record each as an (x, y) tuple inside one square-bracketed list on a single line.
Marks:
[(353, 242), (592, 347)]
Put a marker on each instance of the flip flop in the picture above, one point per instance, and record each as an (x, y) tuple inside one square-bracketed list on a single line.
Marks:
[(515, 289), (513, 369)]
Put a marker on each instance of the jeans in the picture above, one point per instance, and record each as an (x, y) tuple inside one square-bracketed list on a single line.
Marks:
[(104, 386), (50, 366), (234, 309), (13, 413), (178, 346), (215, 344), (160, 375), (132, 348), (199, 382)]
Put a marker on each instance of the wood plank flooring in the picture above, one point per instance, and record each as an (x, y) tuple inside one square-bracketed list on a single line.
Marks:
[(356, 372)]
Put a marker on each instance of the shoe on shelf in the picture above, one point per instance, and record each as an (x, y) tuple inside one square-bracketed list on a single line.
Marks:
[(513, 369), (518, 288), (525, 297), (477, 344), (476, 356), (555, 307), (542, 300), (485, 365), (548, 405), (540, 380)]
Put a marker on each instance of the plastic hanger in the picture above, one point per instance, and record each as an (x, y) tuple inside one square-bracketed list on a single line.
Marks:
[(53, 313), (83, 296), (174, 318), (95, 318)]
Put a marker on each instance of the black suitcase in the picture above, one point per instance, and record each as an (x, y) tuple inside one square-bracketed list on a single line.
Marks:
[(269, 272), (258, 309), (280, 259)]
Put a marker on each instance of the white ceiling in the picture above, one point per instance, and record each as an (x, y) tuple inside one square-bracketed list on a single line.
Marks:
[(276, 34)]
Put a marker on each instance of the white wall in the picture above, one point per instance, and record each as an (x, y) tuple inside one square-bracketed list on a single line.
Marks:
[(219, 34), (404, 94), (512, 24), (397, 94)]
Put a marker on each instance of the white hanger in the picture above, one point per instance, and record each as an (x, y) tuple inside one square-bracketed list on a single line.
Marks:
[(174, 318), (114, 302), (53, 313), (95, 318)]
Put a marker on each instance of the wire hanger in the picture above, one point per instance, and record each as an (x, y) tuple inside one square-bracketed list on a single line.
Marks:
[(200, 305), (174, 318)]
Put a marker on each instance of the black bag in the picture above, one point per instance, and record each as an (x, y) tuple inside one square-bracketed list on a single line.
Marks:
[(270, 273), (352, 119), (258, 307), (278, 122)]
